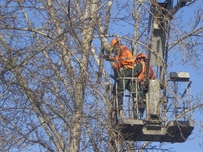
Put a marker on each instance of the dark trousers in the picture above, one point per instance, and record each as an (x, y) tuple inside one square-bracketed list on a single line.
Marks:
[(123, 84), (128, 84)]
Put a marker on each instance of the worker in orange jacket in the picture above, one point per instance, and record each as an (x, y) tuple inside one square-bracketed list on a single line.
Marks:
[(123, 67), (140, 73)]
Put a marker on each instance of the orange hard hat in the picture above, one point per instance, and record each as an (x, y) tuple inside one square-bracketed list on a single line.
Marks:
[(114, 41), (141, 56)]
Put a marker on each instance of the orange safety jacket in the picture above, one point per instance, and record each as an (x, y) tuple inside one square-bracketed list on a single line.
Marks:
[(142, 74), (125, 59)]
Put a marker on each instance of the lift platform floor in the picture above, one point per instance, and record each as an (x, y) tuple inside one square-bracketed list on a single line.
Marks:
[(173, 131)]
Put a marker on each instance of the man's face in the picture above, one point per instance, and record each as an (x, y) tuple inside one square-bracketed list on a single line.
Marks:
[(116, 49)]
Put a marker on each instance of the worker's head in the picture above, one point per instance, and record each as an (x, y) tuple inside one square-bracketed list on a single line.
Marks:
[(141, 57), (115, 42)]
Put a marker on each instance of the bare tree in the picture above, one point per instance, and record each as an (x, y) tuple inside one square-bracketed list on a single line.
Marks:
[(55, 92)]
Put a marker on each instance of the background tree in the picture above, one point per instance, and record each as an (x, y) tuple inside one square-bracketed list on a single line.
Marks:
[(53, 78)]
